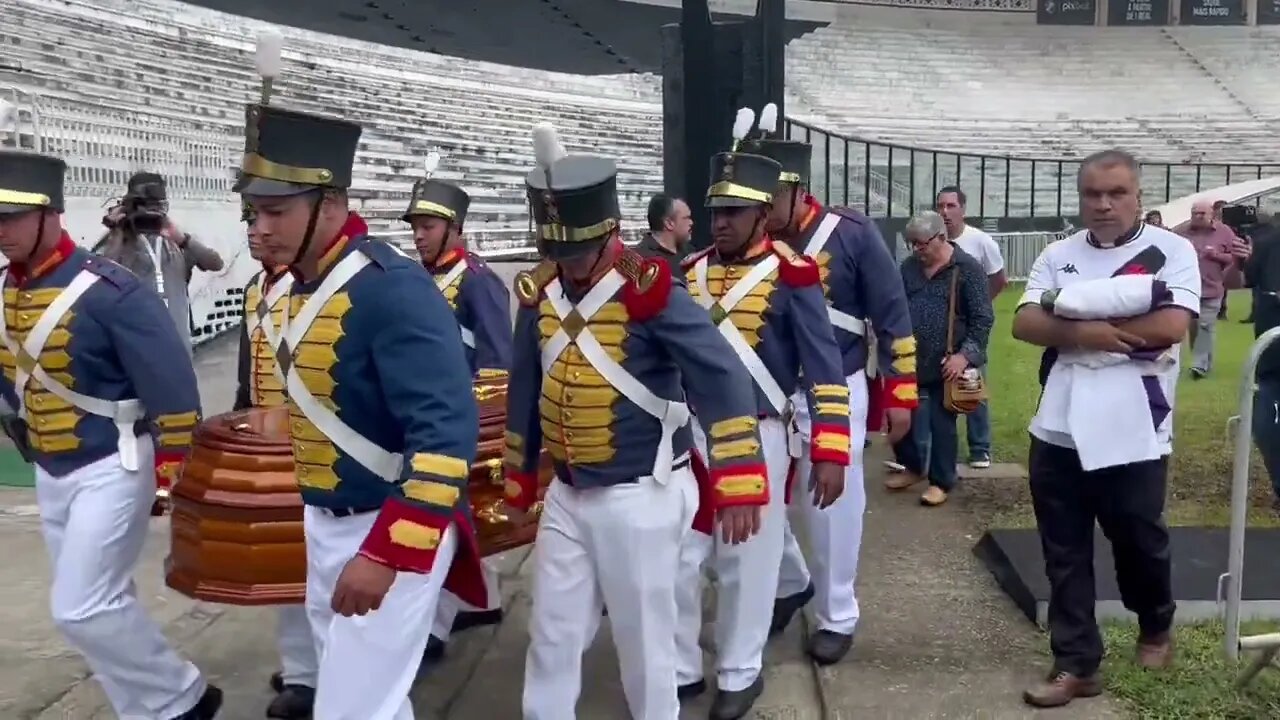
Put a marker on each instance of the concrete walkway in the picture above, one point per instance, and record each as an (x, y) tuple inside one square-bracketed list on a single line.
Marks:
[(937, 639)]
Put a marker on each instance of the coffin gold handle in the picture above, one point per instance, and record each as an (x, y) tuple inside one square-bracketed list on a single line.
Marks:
[(495, 472), (489, 391), (492, 514)]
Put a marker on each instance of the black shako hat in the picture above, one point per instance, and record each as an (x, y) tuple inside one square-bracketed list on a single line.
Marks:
[(30, 181), (287, 152), (794, 157), (437, 198), (574, 204), (742, 179)]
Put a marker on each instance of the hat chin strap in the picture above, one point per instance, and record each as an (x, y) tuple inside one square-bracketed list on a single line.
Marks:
[(311, 230)]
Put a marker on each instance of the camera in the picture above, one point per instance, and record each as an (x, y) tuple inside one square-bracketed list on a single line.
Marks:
[(1240, 218), (146, 207)]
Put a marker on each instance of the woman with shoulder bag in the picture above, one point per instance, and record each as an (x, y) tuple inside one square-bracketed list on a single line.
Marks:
[(951, 316)]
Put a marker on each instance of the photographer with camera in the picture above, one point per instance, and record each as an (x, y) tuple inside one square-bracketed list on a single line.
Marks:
[(142, 237)]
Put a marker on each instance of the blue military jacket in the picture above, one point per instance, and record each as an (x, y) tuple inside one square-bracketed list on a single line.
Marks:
[(116, 342), (596, 435), (384, 358), (862, 282), (780, 321), (482, 305)]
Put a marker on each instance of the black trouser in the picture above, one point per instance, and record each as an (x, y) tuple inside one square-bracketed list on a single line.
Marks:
[(1128, 502)]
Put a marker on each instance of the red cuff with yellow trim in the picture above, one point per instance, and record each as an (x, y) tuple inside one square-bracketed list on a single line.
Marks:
[(740, 485), (830, 443), (168, 467), (520, 489), (901, 392), (405, 537)]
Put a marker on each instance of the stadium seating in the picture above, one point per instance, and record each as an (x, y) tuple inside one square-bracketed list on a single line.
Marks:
[(189, 75), (174, 98), (1176, 95)]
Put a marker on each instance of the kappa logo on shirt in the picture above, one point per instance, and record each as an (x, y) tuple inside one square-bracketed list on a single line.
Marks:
[(1069, 269)]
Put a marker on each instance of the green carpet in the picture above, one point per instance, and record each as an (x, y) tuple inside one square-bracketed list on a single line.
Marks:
[(13, 471)]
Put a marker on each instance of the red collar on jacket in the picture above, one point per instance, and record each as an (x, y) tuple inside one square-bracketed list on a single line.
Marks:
[(354, 227), (61, 251)]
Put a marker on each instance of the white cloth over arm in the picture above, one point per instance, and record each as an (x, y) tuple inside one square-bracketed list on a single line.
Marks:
[(1111, 298)]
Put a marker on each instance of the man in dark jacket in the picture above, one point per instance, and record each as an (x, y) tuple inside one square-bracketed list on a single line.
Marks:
[(670, 228)]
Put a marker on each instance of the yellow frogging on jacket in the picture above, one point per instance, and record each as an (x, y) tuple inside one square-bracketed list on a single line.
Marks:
[(53, 421), (733, 438), (748, 314), (576, 405), (265, 387), (314, 454)]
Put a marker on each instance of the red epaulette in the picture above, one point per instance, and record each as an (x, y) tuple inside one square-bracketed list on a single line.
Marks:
[(795, 269), (530, 283), (648, 284)]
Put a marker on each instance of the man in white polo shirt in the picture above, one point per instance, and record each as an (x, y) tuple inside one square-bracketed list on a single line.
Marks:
[(951, 205), (1110, 305)]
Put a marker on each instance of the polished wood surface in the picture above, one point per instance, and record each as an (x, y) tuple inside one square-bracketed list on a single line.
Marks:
[(236, 527)]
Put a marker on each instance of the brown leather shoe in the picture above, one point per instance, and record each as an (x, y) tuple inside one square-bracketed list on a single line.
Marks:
[(1061, 688), (934, 496), (1155, 652), (901, 480)]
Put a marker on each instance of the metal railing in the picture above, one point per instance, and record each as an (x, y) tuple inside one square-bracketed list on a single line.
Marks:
[(889, 180), (1231, 583)]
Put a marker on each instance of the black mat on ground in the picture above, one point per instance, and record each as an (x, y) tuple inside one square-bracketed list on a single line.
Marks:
[(1199, 558)]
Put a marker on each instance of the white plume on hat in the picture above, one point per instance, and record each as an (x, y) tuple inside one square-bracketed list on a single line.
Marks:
[(268, 56), (547, 148), (769, 119), (742, 124), (432, 162)]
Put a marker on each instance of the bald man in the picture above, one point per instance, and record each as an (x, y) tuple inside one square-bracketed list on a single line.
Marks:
[(1213, 242)]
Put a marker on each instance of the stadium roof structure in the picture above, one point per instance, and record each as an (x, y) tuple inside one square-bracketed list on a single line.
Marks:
[(586, 37)]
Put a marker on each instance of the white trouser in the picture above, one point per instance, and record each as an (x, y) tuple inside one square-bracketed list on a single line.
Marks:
[(747, 577), (297, 646), (835, 534), (450, 604), (616, 547), (95, 523), (367, 663)]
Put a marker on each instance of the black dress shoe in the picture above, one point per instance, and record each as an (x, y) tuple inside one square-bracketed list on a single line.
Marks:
[(467, 620), (277, 682), (734, 705), (293, 703), (785, 608), (691, 690), (828, 648), (207, 708)]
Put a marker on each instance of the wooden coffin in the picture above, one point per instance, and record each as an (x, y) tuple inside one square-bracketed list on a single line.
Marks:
[(236, 526)]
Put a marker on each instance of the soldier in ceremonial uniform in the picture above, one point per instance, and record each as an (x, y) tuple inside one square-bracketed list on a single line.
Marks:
[(383, 418), (862, 285), (482, 305), (261, 385), (603, 341), (94, 371), (766, 300)]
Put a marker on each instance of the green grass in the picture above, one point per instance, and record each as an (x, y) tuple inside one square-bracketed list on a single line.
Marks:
[(1200, 475), (1200, 684), (1198, 687)]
